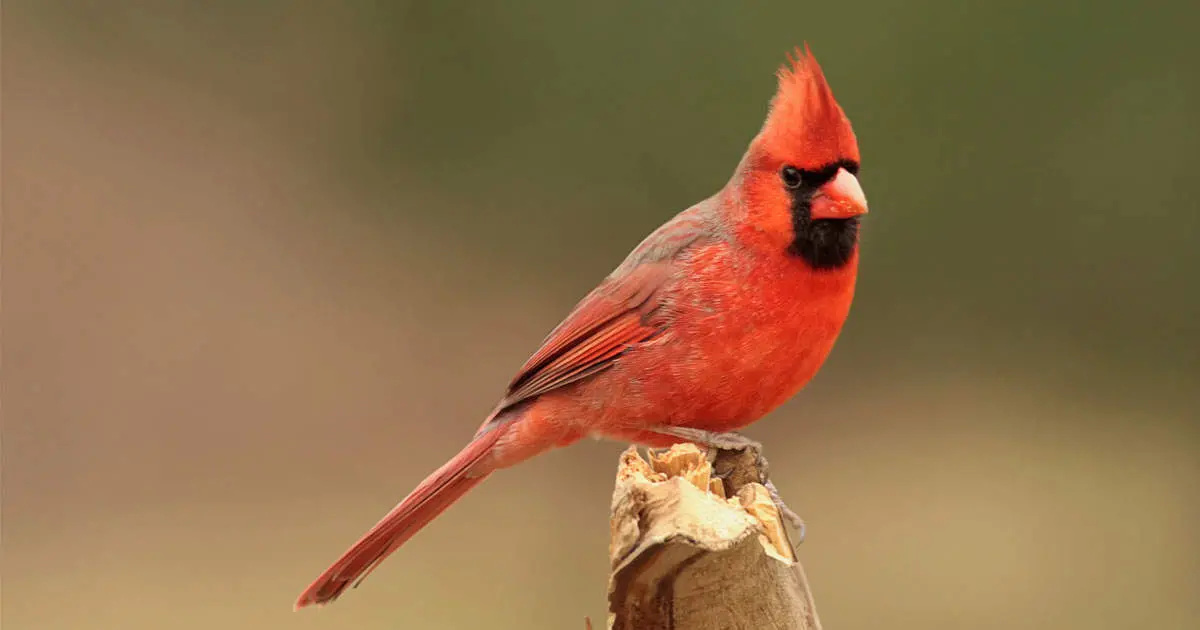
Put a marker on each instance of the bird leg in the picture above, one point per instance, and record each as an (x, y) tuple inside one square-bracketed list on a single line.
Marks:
[(731, 441)]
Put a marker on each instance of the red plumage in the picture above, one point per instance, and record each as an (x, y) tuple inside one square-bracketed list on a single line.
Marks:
[(715, 319), (422, 505), (806, 126)]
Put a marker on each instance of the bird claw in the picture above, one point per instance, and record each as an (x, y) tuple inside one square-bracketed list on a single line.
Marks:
[(737, 442), (786, 512)]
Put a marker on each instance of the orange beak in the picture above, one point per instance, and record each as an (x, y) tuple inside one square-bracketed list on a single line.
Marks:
[(840, 198)]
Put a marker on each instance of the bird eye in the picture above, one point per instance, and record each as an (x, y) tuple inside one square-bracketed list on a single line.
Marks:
[(791, 176)]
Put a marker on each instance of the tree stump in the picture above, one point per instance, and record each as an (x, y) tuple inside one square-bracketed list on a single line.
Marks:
[(697, 543)]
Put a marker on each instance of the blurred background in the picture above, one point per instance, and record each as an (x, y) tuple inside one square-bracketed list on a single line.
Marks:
[(266, 264)]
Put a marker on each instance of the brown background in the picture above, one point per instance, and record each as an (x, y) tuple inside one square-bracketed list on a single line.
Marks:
[(267, 264)]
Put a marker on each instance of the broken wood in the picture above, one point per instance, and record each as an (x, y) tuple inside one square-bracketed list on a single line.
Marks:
[(697, 543)]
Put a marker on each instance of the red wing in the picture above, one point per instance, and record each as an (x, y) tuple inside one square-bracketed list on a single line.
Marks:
[(602, 326)]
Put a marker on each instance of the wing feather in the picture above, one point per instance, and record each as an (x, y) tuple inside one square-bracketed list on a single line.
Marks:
[(614, 317), (607, 322)]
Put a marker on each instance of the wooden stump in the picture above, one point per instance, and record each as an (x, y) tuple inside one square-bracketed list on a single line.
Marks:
[(700, 545)]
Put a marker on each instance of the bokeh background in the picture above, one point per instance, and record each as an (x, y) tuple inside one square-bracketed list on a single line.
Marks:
[(266, 264)]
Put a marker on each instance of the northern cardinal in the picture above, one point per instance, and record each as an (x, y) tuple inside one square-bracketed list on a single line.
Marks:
[(716, 318)]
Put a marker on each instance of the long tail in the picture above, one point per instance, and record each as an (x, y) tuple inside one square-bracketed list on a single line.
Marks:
[(439, 490)]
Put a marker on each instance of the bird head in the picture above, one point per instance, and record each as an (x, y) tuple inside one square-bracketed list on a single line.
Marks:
[(798, 180)]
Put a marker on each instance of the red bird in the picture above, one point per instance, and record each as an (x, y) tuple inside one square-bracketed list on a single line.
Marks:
[(716, 318)]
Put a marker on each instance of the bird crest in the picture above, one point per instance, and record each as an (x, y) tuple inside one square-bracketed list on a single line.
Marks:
[(805, 126)]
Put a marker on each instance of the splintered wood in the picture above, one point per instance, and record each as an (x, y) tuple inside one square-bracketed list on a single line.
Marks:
[(688, 552)]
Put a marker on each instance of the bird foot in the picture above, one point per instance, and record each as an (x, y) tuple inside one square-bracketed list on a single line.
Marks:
[(737, 442)]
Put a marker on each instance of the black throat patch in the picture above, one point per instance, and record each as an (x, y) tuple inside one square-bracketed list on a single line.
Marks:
[(822, 243)]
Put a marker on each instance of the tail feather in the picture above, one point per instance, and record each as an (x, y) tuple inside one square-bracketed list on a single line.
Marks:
[(438, 492)]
